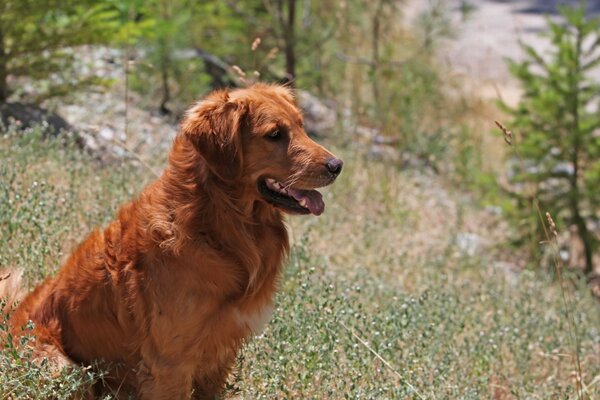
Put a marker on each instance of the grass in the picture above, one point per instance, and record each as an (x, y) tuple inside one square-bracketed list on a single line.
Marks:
[(378, 300), (23, 378)]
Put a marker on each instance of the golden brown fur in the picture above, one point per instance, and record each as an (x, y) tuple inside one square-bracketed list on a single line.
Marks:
[(186, 272)]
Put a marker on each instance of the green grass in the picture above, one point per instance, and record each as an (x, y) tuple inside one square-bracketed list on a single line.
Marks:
[(23, 378), (379, 270)]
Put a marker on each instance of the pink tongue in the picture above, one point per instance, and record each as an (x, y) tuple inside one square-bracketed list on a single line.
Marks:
[(314, 200)]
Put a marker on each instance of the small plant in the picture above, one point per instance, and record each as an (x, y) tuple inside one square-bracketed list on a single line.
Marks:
[(22, 377), (557, 119)]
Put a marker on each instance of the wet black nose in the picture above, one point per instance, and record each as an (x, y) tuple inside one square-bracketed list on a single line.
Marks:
[(334, 165)]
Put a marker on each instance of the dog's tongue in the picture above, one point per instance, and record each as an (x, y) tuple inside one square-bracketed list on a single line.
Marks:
[(313, 199)]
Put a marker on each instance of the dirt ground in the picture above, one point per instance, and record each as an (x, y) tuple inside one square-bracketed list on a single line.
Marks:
[(489, 33)]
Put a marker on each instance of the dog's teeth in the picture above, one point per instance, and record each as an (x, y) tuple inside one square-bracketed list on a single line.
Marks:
[(276, 186), (302, 202)]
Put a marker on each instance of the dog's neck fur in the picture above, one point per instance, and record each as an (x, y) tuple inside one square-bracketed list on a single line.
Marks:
[(197, 206)]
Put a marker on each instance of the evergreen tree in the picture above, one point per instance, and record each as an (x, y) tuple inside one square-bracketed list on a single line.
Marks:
[(559, 121)]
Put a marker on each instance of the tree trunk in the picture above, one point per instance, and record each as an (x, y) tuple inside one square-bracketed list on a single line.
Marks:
[(575, 205), (3, 70), (290, 39), (166, 93), (578, 219), (165, 45), (375, 58)]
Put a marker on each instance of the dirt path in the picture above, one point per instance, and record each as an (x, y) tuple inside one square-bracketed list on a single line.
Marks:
[(490, 32)]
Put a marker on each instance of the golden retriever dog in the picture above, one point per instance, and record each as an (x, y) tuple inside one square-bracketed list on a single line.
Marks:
[(170, 290)]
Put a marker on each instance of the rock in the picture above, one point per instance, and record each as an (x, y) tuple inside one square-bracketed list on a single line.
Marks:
[(107, 133), (509, 269), (469, 244), (29, 114), (369, 134), (494, 210), (382, 153), (319, 118), (103, 132)]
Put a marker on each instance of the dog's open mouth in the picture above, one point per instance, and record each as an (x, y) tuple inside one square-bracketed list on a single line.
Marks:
[(297, 201)]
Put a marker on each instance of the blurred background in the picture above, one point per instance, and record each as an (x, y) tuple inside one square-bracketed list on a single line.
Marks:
[(435, 271)]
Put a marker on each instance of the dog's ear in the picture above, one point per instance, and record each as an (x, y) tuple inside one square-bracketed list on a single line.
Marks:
[(214, 126)]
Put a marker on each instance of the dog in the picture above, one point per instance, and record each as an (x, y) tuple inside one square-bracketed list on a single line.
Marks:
[(169, 291)]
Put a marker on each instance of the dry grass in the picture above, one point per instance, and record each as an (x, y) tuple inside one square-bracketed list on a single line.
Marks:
[(377, 214)]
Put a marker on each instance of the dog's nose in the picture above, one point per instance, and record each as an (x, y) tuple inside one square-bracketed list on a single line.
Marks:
[(334, 165)]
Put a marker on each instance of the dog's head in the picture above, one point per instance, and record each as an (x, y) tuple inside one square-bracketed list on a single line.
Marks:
[(254, 138)]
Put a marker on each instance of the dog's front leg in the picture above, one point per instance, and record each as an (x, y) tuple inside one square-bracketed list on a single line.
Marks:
[(211, 375), (161, 377)]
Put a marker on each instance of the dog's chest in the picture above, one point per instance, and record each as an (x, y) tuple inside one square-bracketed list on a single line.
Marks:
[(254, 319), (234, 287)]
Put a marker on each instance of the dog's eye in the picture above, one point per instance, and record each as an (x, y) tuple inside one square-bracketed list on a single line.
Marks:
[(274, 135)]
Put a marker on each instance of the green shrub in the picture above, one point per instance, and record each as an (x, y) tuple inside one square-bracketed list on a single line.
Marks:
[(37, 40), (557, 124)]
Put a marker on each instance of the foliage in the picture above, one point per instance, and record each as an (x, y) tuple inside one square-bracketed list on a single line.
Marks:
[(391, 80), (38, 39), (23, 378), (171, 61), (166, 65), (451, 327), (379, 72), (558, 120), (353, 53)]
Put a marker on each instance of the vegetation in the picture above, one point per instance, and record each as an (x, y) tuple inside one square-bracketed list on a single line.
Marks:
[(23, 378), (558, 119), (448, 325), (40, 44)]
